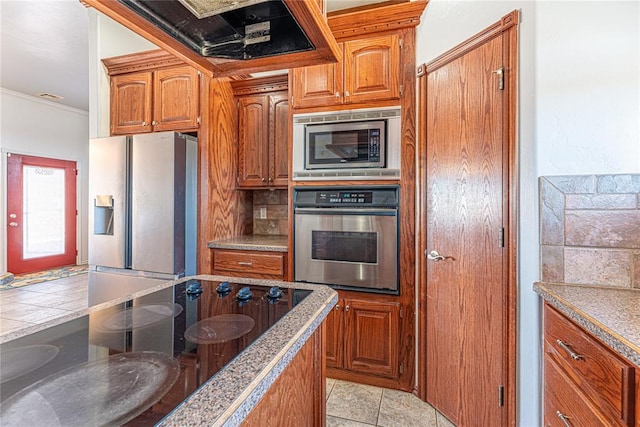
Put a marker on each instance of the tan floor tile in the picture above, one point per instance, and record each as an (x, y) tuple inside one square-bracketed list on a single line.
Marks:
[(342, 422), (355, 402), (401, 409), (330, 383)]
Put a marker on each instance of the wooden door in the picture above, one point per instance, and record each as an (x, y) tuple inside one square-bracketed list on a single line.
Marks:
[(176, 97), (466, 198), (279, 139), (131, 97), (253, 119), (372, 337), (372, 69), (41, 213), (334, 324), (318, 85)]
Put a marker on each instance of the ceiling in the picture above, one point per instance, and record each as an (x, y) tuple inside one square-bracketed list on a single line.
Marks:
[(45, 49)]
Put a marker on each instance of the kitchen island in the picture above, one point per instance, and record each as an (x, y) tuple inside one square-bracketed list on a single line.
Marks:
[(277, 376)]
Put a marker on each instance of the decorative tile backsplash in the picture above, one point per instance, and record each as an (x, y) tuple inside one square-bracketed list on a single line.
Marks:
[(590, 229), (270, 212)]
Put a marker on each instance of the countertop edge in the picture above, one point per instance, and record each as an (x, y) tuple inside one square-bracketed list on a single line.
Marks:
[(228, 397), (610, 337), (252, 243)]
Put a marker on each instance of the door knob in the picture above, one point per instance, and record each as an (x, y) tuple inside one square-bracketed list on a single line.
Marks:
[(13, 224), (435, 256)]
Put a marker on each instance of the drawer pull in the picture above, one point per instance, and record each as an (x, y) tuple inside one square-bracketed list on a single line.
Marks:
[(563, 418), (248, 264), (565, 347)]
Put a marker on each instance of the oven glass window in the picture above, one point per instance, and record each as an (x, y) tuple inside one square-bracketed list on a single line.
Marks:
[(346, 246)]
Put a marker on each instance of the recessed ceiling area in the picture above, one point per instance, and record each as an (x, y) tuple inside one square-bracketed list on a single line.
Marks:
[(44, 47)]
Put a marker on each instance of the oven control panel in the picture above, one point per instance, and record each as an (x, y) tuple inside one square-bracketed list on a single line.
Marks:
[(344, 197), (328, 197)]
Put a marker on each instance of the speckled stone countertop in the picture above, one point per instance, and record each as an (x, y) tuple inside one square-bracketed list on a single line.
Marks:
[(610, 314), (252, 242), (227, 397)]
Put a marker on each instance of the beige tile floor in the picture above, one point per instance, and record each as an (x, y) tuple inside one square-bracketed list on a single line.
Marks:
[(33, 304), (358, 405), (348, 404)]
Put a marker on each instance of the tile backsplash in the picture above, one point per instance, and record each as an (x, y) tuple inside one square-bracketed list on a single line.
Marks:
[(270, 212), (590, 229)]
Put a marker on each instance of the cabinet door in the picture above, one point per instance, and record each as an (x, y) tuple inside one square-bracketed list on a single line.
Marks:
[(176, 98), (253, 160), (372, 337), (279, 139), (372, 69), (131, 103), (318, 86), (335, 337)]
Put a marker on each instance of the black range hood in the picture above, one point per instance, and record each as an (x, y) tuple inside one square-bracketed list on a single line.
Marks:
[(256, 29)]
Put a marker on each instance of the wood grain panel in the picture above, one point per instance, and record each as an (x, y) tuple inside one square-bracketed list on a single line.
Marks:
[(561, 399), (599, 374), (176, 98), (334, 324), (264, 264), (280, 122), (297, 397), (253, 134), (131, 98), (467, 319), (223, 211)]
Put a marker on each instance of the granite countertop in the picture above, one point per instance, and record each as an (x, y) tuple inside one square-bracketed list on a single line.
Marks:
[(252, 242), (227, 398), (610, 314)]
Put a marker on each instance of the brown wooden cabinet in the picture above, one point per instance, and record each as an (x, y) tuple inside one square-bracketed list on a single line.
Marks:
[(256, 264), (263, 135), (363, 336), (369, 71), (584, 381), (153, 101)]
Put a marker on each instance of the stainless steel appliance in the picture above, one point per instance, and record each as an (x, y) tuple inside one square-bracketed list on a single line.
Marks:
[(347, 237), (142, 218), (356, 144)]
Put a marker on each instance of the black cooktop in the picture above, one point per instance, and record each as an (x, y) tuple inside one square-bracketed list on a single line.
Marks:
[(133, 363)]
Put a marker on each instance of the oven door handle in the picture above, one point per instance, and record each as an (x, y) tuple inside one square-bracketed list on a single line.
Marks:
[(346, 211)]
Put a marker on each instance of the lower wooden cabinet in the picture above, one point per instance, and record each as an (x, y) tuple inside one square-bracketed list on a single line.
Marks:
[(255, 264), (364, 337), (585, 383)]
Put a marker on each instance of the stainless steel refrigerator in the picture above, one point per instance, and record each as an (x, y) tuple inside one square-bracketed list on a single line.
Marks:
[(143, 193)]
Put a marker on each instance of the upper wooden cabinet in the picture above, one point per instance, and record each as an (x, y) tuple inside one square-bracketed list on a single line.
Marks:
[(158, 100), (263, 135), (369, 71)]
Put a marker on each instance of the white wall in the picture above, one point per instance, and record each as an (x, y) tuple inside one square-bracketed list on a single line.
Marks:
[(31, 126), (579, 113)]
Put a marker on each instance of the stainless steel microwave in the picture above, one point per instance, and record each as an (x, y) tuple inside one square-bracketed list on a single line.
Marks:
[(354, 144)]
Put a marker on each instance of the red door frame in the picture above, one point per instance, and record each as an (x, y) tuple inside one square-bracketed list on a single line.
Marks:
[(15, 262)]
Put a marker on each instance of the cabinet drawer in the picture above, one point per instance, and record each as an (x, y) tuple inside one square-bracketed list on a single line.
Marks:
[(604, 378), (250, 264), (562, 399)]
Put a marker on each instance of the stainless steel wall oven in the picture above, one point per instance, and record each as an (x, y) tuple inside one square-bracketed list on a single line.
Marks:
[(347, 237)]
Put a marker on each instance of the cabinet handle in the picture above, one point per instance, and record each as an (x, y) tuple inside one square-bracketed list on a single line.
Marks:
[(337, 307), (347, 308), (347, 94), (337, 94), (144, 123), (248, 264), (153, 123), (264, 179), (565, 347), (563, 418), (270, 179)]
